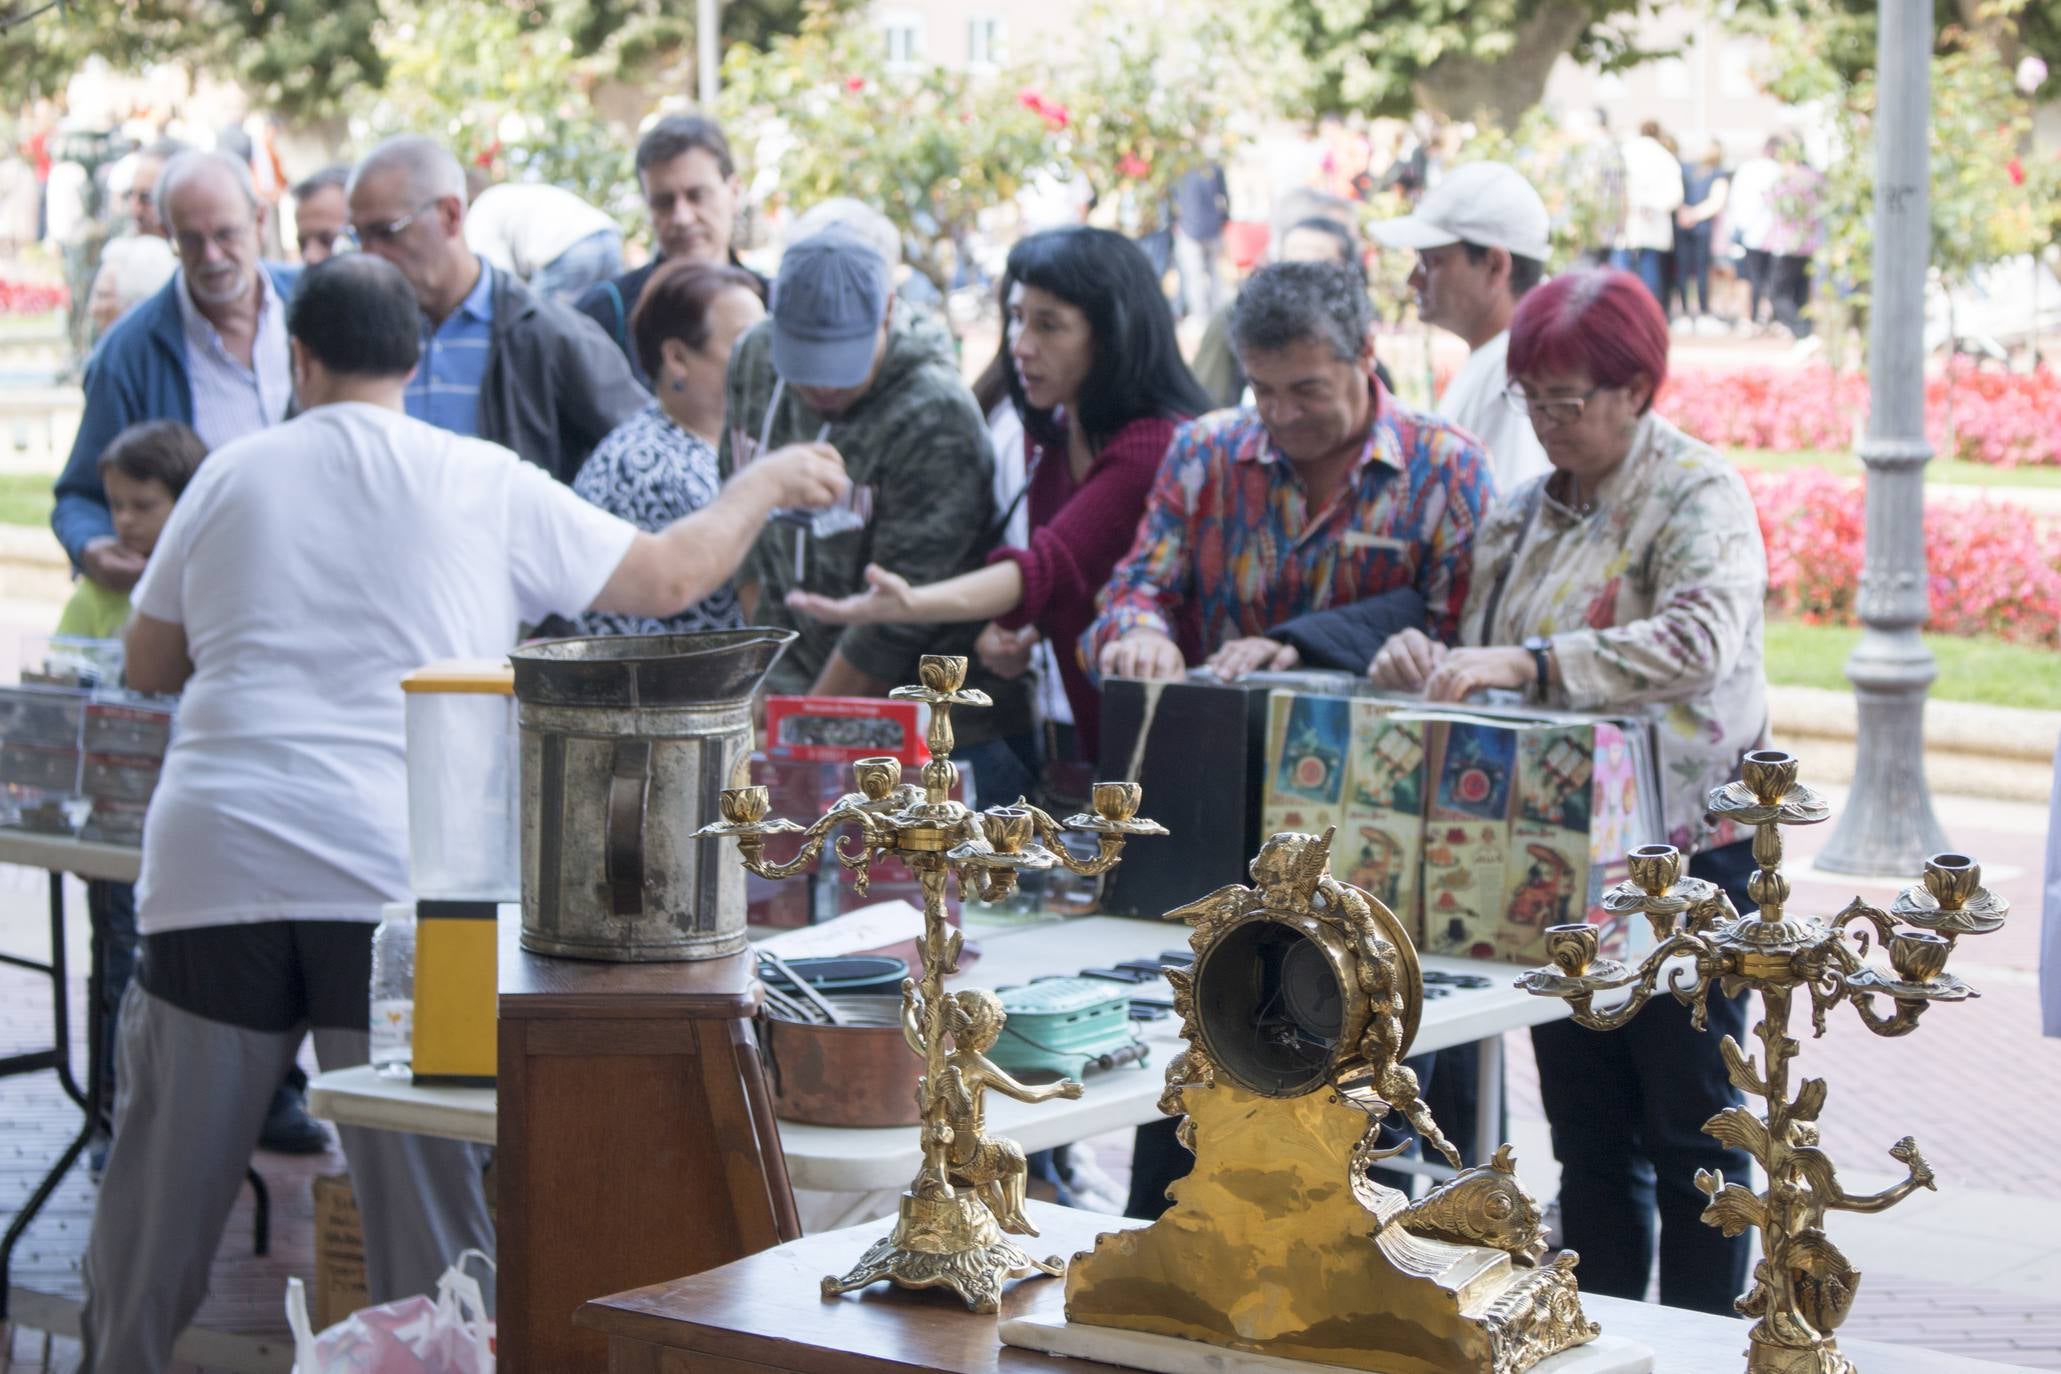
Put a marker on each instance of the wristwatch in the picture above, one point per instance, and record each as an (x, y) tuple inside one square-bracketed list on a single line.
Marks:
[(1538, 646)]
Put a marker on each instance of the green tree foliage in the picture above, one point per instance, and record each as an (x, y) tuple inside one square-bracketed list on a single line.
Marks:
[(312, 58), (1132, 107), (1459, 58), (1991, 197), (929, 147)]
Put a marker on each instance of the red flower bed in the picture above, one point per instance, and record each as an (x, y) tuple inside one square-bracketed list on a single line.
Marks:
[(31, 297), (2005, 418), (1993, 570)]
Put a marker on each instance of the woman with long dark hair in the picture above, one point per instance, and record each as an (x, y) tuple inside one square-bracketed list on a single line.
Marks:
[(1094, 370)]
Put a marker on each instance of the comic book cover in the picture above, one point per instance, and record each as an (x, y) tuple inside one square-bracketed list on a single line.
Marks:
[(1467, 835), (1380, 844), (1307, 739)]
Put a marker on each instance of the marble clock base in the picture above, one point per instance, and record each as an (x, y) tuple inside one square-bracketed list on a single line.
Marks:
[(1171, 1355)]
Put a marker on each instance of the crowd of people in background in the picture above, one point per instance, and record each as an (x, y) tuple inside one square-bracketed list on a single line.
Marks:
[(461, 416)]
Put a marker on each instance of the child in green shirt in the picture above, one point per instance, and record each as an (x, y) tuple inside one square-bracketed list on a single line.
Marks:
[(144, 469)]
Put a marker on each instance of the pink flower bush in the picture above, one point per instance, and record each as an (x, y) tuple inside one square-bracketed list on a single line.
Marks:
[(31, 297), (1993, 570), (2003, 418)]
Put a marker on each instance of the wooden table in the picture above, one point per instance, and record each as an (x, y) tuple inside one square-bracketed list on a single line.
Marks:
[(636, 1139), (764, 1313)]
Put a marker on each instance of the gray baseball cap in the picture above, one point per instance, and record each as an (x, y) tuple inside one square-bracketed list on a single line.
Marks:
[(828, 302)]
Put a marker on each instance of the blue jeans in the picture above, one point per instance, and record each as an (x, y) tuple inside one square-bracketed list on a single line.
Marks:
[(594, 258)]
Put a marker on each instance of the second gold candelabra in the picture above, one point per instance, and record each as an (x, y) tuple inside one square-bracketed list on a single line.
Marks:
[(1803, 1287)]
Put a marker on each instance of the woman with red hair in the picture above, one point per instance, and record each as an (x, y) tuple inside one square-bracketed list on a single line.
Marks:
[(1629, 578)]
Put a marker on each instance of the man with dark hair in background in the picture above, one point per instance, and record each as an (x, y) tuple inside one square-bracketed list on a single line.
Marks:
[(690, 187), (320, 213)]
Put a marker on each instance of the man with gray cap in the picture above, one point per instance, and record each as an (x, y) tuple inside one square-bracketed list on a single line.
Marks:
[(1482, 237), (840, 362)]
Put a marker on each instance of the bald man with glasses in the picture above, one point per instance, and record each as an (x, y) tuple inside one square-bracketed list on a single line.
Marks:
[(499, 361)]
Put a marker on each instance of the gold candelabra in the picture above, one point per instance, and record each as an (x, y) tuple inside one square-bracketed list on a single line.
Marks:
[(1803, 1287), (969, 1189)]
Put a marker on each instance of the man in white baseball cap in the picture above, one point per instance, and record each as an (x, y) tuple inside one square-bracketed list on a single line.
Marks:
[(1482, 239)]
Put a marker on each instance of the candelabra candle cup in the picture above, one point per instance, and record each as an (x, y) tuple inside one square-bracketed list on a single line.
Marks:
[(1770, 774), (877, 777), (1572, 948), (1009, 829), (745, 805), (1952, 879), (1117, 801), (942, 672), (1919, 956), (1655, 867)]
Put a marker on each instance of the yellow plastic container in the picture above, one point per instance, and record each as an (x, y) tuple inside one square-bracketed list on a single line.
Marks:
[(457, 984)]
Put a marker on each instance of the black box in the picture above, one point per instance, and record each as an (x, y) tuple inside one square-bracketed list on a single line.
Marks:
[(1202, 766)]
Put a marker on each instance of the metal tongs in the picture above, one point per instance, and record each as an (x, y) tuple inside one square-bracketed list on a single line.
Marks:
[(811, 1008)]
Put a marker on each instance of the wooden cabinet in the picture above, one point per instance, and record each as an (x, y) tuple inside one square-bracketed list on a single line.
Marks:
[(636, 1141)]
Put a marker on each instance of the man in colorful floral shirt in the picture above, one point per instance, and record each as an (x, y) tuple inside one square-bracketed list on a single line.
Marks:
[(1325, 491)]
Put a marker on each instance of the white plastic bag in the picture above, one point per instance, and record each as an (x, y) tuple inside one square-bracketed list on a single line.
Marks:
[(448, 1334)]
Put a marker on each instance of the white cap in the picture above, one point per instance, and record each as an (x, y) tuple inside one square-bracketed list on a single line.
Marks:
[(1488, 204)]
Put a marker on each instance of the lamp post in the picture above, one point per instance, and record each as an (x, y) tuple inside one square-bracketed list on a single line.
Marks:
[(1888, 825), (707, 45)]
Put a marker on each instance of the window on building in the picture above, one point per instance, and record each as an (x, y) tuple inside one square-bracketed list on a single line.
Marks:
[(904, 32), (984, 42)]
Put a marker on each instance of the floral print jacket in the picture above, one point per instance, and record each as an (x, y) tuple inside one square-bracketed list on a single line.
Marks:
[(1652, 601)]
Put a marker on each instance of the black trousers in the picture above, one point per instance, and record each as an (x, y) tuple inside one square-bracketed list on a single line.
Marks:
[(1789, 286), (1758, 268), (1627, 1109)]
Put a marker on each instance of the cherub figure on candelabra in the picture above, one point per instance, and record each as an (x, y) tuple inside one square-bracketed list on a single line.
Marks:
[(1803, 1286), (993, 1167)]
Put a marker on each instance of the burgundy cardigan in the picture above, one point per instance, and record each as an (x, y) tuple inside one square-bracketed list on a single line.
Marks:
[(1077, 534)]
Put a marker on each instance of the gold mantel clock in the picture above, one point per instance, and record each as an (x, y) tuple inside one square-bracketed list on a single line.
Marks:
[(1302, 1001)]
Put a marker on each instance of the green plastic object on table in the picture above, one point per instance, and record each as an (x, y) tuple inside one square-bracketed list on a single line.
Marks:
[(1065, 1026)]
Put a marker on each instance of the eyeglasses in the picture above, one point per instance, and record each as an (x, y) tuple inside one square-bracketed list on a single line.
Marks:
[(228, 238), (1554, 410), (365, 235)]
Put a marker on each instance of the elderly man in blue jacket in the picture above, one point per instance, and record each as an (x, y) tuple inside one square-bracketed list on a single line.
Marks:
[(208, 349)]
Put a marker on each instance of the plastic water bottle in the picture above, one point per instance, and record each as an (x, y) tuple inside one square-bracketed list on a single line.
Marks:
[(393, 990)]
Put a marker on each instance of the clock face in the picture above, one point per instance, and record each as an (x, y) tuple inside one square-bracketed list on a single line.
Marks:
[(1270, 1008)]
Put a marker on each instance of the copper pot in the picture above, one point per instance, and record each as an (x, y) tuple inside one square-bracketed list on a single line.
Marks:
[(859, 1074)]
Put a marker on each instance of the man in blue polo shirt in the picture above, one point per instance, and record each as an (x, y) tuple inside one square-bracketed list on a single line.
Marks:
[(498, 362)]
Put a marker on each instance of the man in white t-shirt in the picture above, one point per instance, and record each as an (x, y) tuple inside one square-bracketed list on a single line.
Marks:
[(1482, 237), (302, 574)]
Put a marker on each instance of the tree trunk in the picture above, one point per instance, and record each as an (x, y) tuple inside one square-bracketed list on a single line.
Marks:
[(1462, 87)]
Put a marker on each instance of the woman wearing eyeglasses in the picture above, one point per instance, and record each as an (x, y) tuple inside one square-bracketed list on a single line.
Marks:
[(1630, 577)]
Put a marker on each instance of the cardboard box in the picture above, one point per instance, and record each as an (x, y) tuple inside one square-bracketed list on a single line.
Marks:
[(846, 729), (1478, 830), (339, 1288), (339, 1252)]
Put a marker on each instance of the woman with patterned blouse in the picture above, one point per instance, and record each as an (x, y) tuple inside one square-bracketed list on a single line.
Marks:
[(1631, 577), (660, 464)]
